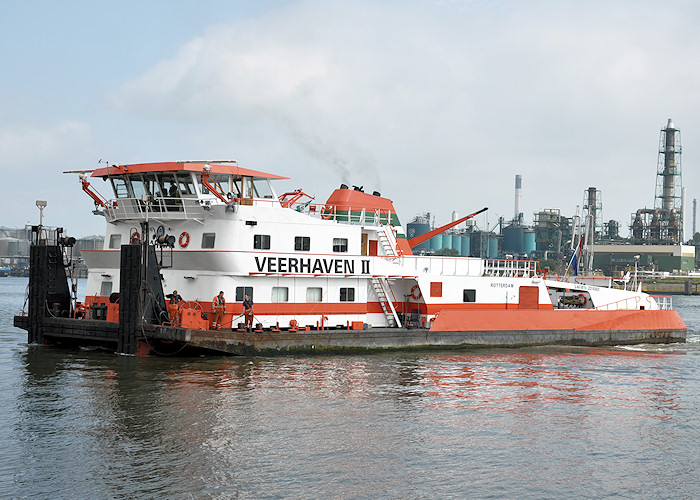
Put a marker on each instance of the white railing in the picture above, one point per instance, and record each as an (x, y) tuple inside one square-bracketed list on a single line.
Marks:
[(159, 208), (509, 268), (345, 214), (622, 304), (664, 301)]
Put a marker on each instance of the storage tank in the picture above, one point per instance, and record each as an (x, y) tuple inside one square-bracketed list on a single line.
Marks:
[(529, 243), (492, 246), (436, 242), (414, 229), (446, 240), (513, 239), (466, 246)]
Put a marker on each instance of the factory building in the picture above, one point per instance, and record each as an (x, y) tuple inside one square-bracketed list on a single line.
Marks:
[(614, 260)]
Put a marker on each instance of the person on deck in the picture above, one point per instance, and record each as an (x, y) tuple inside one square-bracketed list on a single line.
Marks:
[(175, 298), (248, 313), (218, 306)]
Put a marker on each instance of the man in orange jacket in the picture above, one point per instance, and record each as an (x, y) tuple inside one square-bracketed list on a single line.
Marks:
[(218, 306)]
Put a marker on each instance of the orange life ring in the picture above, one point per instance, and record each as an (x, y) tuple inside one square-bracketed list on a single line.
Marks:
[(184, 239), (135, 237), (415, 292), (584, 298)]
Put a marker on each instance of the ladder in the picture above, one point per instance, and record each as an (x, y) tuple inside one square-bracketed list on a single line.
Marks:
[(381, 286), (388, 240)]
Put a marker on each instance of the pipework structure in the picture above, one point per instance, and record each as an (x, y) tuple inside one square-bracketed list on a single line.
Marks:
[(664, 223)]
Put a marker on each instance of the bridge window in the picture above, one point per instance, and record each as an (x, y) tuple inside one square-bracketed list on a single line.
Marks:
[(340, 244), (468, 295), (314, 294), (261, 241), (280, 294), (262, 188), (208, 240), (347, 295), (121, 188), (302, 243), (184, 182)]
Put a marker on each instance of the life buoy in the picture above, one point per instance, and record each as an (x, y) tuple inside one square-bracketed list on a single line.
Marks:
[(584, 298), (184, 239), (135, 237), (415, 292)]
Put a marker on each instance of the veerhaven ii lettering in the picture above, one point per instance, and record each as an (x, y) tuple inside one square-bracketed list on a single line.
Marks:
[(303, 265)]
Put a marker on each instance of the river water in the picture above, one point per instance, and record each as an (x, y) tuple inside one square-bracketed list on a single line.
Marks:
[(550, 422)]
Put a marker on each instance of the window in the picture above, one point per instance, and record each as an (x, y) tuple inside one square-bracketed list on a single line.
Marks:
[(347, 295), (115, 241), (302, 243), (314, 294), (468, 295), (243, 290), (184, 182), (208, 240), (340, 244), (106, 288), (120, 187), (261, 241), (280, 294), (262, 188)]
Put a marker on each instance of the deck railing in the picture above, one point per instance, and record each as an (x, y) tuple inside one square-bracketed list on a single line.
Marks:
[(158, 208)]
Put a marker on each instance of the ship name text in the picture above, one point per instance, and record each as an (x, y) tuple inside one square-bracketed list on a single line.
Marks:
[(309, 266)]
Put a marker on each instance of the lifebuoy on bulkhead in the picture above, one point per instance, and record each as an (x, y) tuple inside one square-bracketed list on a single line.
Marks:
[(184, 239), (584, 298), (135, 237), (415, 292)]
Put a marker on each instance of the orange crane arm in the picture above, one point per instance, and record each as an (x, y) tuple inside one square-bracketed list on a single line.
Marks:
[(413, 242)]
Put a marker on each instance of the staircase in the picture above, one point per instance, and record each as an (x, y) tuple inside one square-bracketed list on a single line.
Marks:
[(388, 240), (381, 289)]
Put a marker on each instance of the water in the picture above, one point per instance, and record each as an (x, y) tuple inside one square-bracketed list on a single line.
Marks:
[(546, 422)]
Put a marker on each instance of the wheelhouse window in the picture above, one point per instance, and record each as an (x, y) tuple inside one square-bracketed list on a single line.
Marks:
[(340, 244), (115, 241), (184, 183), (302, 243), (314, 294), (262, 189), (280, 294), (120, 187), (468, 295), (220, 182), (208, 240), (347, 295), (243, 290), (261, 241)]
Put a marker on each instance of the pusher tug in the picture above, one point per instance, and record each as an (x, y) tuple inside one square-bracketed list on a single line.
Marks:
[(334, 276)]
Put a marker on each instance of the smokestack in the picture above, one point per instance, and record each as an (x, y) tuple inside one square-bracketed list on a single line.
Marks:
[(695, 206), (518, 196)]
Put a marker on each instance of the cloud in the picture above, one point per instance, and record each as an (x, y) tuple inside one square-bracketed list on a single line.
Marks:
[(23, 145), (441, 104)]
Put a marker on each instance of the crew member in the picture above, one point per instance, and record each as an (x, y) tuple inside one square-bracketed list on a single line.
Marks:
[(219, 308), (174, 307), (248, 313), (175, 298)]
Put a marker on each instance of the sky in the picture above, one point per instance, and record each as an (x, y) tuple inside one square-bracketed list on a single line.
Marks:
[(436, 104)]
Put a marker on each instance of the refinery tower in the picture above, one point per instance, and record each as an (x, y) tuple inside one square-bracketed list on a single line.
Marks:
[(664, 223)]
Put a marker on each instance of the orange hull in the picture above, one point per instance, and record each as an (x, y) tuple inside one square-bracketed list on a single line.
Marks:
[(557, 320)]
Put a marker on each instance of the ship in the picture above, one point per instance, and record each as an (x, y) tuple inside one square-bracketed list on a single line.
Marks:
[(340, 274)]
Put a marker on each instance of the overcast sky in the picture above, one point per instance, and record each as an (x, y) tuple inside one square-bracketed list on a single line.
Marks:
[(437, 104)]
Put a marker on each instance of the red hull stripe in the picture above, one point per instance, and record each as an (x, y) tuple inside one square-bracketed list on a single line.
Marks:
[(544, 320)]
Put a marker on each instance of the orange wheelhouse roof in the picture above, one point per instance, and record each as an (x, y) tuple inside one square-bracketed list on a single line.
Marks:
[(187, 166)]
